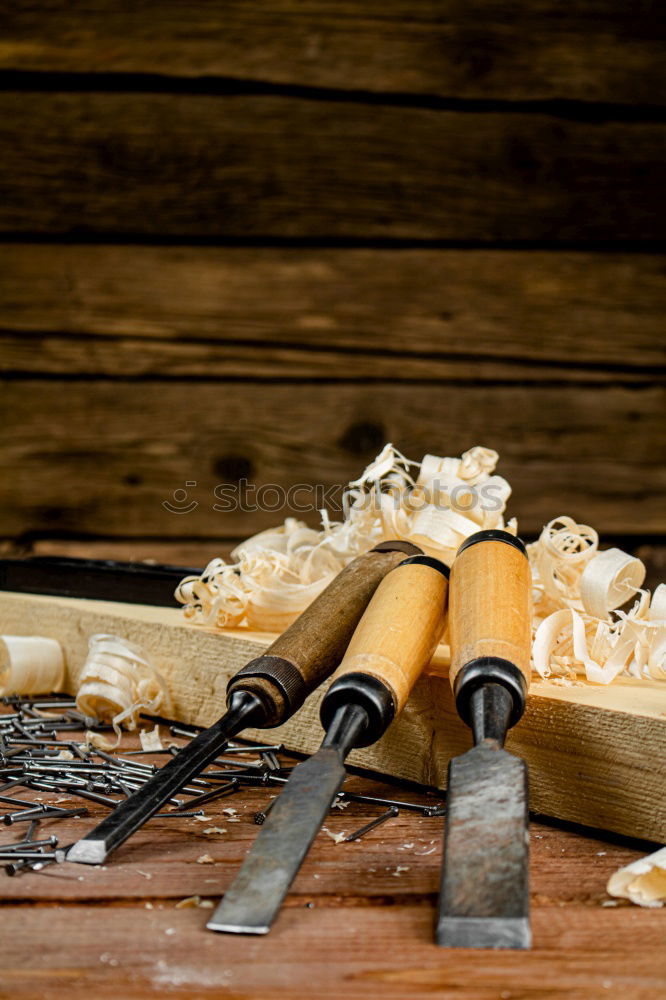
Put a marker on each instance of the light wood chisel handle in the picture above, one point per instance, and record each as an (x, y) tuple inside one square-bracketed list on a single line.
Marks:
[(490, 621), (393, 642), (311, 648)]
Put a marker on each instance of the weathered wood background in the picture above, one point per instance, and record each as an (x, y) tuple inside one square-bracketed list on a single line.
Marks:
[(252, 240), (256, 240)]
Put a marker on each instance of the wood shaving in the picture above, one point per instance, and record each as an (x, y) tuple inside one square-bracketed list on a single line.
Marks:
[(150, 739), (337, 838), (205, 859), (30, 664), (277, 573), (118, 682), (192, 902), (643, 881), (586, 634), (436, 504), (215, 829)]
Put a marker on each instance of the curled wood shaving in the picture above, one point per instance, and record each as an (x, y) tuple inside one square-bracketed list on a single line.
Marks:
[(436, 504), (578, 629), (277, 573), (118, 682), (643, 881), (30, 664), (151, 739)]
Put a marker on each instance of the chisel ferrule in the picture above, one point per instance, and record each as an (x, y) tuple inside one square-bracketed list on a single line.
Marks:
[(276, 681), (489, 670), (493, 535), (370, 694)]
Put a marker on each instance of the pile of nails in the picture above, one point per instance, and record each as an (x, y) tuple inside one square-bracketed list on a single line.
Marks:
[(38, 754), (268, 771)]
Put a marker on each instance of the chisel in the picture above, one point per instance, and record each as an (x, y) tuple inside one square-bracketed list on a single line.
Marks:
[(264, 693), (484, 900), (394, 641), (94, 579)]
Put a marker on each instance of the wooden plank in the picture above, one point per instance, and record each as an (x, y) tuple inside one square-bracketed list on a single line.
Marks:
[(105, 928), (402, 314), (161, 860), (596, 50), (355, 953), (184, 552), (586, 746), (39, 354), (275, 166), (104, 457)]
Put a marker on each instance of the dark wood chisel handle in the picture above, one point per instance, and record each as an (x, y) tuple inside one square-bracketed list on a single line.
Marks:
[(311, 648)]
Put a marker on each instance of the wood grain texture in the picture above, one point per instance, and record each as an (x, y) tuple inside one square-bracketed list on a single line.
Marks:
[(103, 458), (399, 314), (194, 553), (565, 869), (360, 914), (399, 631), (594, 50), (274, 166), (389, 949), (490, 603), (586, 747), (315, 643)]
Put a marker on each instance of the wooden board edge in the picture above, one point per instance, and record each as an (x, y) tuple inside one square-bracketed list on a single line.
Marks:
[(597, 766)]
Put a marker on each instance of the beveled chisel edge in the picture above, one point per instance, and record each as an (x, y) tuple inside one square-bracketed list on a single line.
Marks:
[(225, 928), (88, 852), (484, 932)]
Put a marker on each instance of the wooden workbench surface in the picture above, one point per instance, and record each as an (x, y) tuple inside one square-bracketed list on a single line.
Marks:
[(358, 924)]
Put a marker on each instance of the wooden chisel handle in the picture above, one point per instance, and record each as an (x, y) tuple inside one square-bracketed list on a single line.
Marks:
[(394, 641), (311, 648), (490, 620)]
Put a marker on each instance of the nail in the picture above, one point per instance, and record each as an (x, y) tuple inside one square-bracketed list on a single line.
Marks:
[(389, 814), (178, 815), (216, 793), (374, 800), (260, 817), (269, 757), (23, 845), (19, 817)]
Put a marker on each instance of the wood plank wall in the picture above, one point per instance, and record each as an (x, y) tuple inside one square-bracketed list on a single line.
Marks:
[(259, 239)]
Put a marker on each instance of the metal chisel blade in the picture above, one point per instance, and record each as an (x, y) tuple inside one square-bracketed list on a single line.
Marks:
[(255, 896), (484, 900), (130, 815)]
